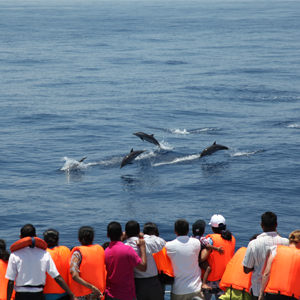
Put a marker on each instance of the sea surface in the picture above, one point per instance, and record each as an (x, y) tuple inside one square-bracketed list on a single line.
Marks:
[(77, 78)]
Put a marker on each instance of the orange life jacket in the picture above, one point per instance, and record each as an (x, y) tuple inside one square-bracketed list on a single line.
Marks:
[(28, 241), (234, 275), (61, 258), (92, 269), (285, 273), (217, 261), (4, 281), (163, 262)]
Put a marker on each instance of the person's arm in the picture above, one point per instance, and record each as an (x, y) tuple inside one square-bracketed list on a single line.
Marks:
[(60, 281), (74, 270), (10, 287), (265, 278), (204, 255), (219, 249), (143, 265), (78, 279)]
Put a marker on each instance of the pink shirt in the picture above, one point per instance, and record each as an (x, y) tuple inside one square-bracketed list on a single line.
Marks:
[(120, 260)]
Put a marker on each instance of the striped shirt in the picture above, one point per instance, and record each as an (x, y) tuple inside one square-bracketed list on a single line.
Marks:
[(256, 254)]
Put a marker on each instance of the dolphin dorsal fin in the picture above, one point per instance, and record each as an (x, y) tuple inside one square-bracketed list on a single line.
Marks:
[(214, 143), (152, 134), (131, 150)]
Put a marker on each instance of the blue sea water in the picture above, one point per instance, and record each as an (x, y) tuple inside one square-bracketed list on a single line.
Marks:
[(79, 77)]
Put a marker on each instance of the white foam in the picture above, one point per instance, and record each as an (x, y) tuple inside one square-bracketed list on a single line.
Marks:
[(177, 160), (179, 131), (245, 153), (204, 130), (296, 125)]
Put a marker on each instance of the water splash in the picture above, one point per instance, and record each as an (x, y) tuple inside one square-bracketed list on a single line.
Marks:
[(72, 164), (295, 125)]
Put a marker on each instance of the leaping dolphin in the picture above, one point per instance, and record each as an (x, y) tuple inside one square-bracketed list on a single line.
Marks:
[(82, 159), (130, 157), (149, 138), (212, 149)]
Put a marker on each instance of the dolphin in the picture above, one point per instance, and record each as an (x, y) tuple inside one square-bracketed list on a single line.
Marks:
[(149, 138), (130, 157), (212, 149), (82, 159)]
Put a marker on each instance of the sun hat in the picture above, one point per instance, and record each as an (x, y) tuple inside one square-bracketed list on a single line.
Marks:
[(217, 220), (198, 226)]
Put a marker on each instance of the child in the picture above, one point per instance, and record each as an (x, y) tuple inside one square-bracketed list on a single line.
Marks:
[(198, 233)]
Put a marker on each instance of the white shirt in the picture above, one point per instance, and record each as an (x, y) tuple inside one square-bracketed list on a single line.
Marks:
[(28, 266), (256, 255), (154, 244), (183, 253)]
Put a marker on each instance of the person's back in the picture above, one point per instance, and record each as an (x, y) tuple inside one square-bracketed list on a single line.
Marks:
[(87, 266), (234, 281), (4, 256), (61, 257), (257, 250), (183, 253), (27, 267), (120, 260), (147, 285)]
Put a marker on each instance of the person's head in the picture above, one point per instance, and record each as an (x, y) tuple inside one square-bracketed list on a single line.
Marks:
[(268, 221), (198, 228), (51, 237), (27, 230), (132, 228), (105, 245), (150, 229), (86, 235), (181, 227), (294, 238), (218, 225), (114, 231), (4, 255)]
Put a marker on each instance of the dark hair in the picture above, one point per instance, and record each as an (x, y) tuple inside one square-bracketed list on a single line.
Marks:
[(86, 235), (4, 255), (51, 237), (114, 231), (225, 234), (269, 220), (28, 230), (132, 228), (151, 229), (105, 245), (253, 237), (181, 227)]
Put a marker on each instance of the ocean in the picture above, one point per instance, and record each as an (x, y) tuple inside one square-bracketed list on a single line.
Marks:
[(79, 77)]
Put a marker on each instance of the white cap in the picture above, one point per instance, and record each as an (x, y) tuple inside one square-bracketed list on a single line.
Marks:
[(216, 220)]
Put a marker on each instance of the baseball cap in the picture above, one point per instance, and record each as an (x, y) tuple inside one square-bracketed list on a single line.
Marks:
[(216, 220), (198, 226)]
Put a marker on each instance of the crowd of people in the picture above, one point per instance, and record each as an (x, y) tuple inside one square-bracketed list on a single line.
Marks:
[(138, 264)]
